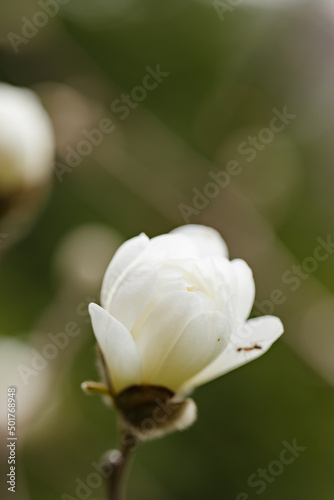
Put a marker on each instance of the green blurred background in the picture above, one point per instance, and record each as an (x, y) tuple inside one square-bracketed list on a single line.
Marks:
[(228, 69)]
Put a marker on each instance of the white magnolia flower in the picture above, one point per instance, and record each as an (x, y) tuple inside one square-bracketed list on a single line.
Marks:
[(174, 316), (26, 140)]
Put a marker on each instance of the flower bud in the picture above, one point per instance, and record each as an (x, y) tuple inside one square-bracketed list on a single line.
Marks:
[(174, 316), (26, 154)]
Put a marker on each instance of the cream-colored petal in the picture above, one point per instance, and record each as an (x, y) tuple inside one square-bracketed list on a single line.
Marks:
[(261, 332), (118, 348), (245, 289), (132, 295), (207, 240), (175, 246), (202, 341), (165, 324), (123, 258)]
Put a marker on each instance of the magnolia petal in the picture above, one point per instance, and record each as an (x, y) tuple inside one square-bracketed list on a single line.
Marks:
[(133, 294), (118, 348), (176, 246), (262, 332), (204, 338), (168, 282), (196, 275), (207, 240), (165, 324), (245, 289), (207, 274), (124, 257)]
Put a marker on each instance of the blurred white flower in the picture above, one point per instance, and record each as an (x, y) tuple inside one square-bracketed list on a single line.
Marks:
[(27, 148), (30, 397), (26, 140), (173, 316)]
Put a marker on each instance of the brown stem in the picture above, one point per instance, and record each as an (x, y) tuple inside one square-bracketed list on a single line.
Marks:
[(118, 464)]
